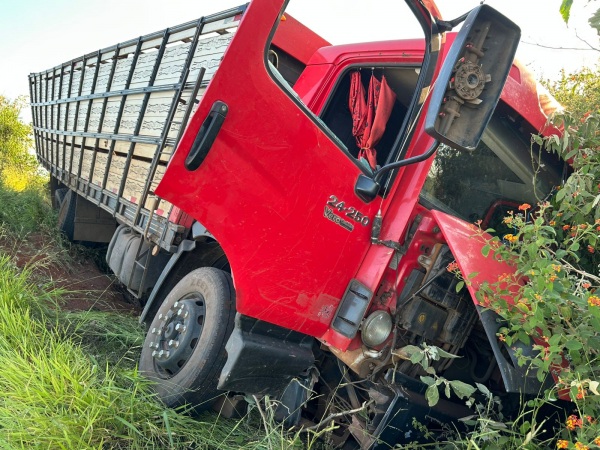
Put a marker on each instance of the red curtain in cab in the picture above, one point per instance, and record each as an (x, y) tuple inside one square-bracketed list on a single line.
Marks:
[(370, 115)]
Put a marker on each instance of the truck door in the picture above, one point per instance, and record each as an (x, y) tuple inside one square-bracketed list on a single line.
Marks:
[(273, 184)]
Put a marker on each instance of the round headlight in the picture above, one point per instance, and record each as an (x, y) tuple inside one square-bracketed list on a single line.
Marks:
[(376, 328)]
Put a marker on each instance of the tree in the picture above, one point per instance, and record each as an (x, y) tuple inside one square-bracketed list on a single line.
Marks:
[(578, 92), (15, 136)]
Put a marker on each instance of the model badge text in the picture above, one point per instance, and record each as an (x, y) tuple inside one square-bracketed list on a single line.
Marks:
[(336, 208)]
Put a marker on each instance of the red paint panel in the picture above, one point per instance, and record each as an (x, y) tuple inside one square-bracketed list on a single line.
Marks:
[(264, 186)]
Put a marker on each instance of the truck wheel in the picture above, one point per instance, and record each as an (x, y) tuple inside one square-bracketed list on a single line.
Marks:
[(184, 350)]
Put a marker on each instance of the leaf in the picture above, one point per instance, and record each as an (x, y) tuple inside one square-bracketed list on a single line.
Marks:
[(594, 21), (407, 352), (485, 250), (432, 395), (554, 339), (462, 389), (445, 354), (484, 390), (429, 381), (460, 285), (573, 345)]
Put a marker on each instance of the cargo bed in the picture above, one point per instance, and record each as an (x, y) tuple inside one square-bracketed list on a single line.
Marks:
[(106, 124)]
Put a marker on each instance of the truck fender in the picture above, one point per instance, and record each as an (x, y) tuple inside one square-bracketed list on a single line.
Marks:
[(185, 246), (466, 241)]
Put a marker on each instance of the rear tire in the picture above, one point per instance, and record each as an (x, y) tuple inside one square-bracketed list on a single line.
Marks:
[(184, 351)]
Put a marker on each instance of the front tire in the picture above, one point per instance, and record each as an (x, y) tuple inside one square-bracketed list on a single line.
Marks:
[(184, 351)]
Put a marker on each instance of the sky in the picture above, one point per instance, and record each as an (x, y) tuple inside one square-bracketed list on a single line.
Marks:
[(38, 34)]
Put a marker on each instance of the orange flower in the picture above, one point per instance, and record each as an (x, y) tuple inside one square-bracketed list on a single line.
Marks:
[(597, 441), (561, 443), (552, 223), (501, 337), (511, 238), (573, 422), (593, 300), (591, 249), (580, 446), (552, 278), (566, 227), (586, 285), (452, 267), (508, 220), (581, 394), (524, 207)]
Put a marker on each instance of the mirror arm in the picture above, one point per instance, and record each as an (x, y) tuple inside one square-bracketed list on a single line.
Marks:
[(448, 25), (405, 162)]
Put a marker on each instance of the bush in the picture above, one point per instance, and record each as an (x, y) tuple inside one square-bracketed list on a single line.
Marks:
[(553, 300)]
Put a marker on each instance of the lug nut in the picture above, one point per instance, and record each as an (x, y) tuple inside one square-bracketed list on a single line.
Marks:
[(161, 353), (151, 345), (176, 305), (180, 312), (178, 327), (154, 330), (176, 344), (171, 342), (160, 316), (167, 354), (185, 315), (154, 353)]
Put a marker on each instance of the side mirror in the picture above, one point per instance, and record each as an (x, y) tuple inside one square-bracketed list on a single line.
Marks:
[(471, 79)]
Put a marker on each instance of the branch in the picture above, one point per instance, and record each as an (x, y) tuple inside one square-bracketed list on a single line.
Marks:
[(330, 417), (571, 267), (561, 48), (587, 43)]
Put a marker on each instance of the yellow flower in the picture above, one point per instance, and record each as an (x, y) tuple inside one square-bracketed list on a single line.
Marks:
[(594, 300), (511, 238), (561, 443), (580, 446)]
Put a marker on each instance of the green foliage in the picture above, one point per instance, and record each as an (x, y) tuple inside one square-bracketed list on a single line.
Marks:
[(578, 92), (565, 12), (552, 300), (565, 9), (15, 136)]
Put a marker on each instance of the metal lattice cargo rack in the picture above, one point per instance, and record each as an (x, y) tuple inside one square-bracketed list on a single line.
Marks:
[(107, 123)]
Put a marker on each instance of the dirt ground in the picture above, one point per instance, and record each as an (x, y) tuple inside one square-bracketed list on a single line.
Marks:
[(78, 271)]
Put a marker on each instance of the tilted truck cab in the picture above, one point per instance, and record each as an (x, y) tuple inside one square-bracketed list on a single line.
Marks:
[(299, 236)]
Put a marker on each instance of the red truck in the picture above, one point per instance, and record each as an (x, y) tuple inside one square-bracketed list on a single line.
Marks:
[(298, 239)]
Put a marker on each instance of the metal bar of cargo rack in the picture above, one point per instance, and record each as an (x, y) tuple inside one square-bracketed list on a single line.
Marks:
[(101, 119), (138, 125), (108, 136), (69, 91), (52, 144), (60, 88), (87, 117), (120, 113), (143, 90), (46, 117), (169, 122), (76, 119)]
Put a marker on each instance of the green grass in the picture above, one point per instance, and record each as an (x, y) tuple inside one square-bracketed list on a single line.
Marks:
[(69, 380)]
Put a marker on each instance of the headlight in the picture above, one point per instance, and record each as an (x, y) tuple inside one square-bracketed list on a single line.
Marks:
[(376, 328)]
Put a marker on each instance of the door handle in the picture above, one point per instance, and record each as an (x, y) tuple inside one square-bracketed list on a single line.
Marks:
[(206, 135)]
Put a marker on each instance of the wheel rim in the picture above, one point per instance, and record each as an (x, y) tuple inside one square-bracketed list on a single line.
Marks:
[(176, 333)]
